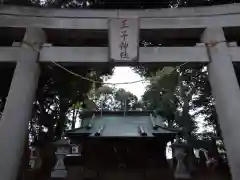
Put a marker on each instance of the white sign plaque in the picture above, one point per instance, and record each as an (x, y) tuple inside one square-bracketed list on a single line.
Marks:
[(124, 39)]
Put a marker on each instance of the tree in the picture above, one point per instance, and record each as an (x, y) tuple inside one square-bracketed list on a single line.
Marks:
[(58, 92), (171, 95), (160, 95), (74, 113), (116, 99)]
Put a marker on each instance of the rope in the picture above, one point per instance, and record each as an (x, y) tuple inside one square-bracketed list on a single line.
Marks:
[(212, 44), (162, 72), (91, 80), (117, 83)]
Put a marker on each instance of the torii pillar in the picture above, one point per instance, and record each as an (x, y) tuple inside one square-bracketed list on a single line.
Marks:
[(18, 108), (226, 92)]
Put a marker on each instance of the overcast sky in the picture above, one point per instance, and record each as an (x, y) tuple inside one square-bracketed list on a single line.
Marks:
[(126, 74)]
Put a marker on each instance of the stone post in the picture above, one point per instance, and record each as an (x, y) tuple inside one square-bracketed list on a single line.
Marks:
[(18, 108), (226, 92), (63, 149)]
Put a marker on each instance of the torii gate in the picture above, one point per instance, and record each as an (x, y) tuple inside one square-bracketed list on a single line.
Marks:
[(28, 55)]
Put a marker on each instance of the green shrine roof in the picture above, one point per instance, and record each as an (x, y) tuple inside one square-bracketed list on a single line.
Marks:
[(116, 124)]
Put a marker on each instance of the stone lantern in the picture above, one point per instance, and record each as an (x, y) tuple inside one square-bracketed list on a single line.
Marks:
[(179, 152), (63, 149)]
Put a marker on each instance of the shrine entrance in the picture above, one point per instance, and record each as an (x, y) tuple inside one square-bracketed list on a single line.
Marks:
[(191, 35)]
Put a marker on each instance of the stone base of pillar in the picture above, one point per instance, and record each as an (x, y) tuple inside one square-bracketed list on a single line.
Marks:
[(59, 174), (182, 176)]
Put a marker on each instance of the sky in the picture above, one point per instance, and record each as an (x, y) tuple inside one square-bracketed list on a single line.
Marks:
[(126, 74)]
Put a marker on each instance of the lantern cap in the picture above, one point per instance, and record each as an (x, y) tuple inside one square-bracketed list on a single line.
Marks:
[(62, 142)]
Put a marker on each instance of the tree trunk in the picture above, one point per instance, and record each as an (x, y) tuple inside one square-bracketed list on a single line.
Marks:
[(74, 118), (62, 120)]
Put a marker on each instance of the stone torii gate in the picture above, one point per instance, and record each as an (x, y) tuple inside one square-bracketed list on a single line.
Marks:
[(28, 55)]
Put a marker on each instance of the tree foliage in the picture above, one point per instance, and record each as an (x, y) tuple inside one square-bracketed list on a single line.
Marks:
[(58, 93), (108, 98), (172, 95)]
